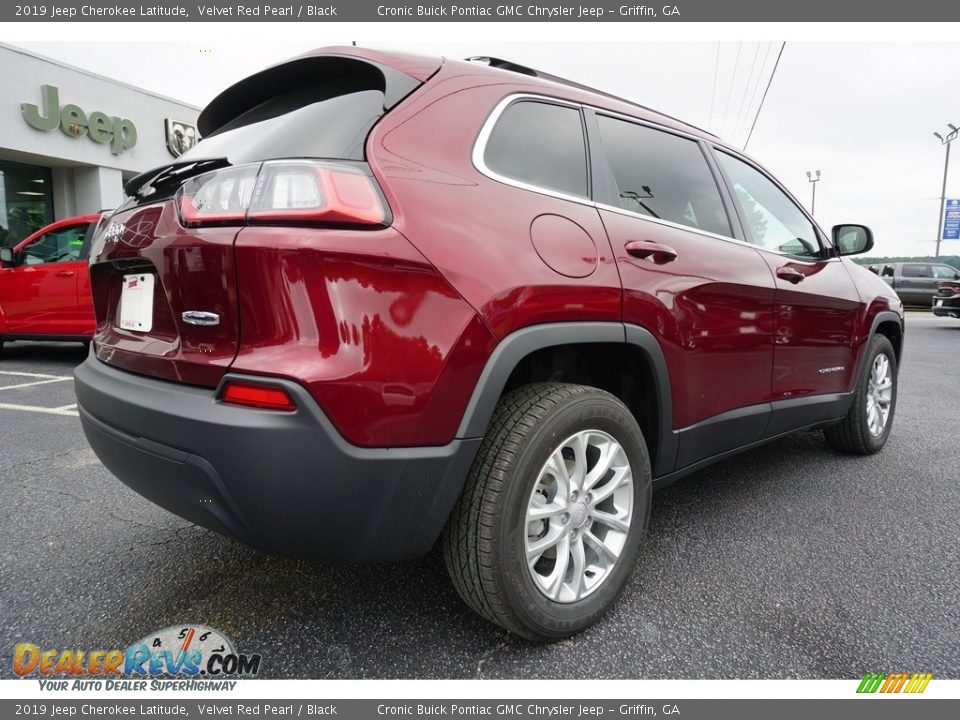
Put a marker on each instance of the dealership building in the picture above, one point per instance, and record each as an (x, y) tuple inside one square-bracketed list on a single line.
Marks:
[(70, 138)]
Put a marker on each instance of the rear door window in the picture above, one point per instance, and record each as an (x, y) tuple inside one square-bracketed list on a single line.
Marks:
[(540, 144), (915, 270), (662, 176)]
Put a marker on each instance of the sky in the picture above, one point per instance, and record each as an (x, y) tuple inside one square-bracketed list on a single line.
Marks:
[(863, 113)]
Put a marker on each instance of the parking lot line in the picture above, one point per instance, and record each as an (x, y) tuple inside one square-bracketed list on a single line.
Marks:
[(65, 410), (35, 382), (34, 375)]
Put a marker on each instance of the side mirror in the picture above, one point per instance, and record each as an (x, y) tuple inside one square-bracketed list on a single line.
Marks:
[(6, 255), (852, 239)]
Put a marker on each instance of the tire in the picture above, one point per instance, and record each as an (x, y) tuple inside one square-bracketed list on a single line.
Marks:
[(489, 535), (854, 433)]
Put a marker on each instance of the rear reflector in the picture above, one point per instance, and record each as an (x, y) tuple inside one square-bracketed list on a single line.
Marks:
[(266, 397), (302, 192)]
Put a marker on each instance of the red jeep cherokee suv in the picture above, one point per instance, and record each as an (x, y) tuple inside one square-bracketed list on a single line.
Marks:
[(390, 299)]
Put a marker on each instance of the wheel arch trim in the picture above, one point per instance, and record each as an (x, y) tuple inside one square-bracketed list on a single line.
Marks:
[(878, 319), (521, 343)]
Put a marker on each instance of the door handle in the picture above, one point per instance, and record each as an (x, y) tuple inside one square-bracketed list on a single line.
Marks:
[(645, 249), (790, 274), (64, 273)]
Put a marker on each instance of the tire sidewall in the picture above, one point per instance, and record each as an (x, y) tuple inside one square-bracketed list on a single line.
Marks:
[(552, 619)]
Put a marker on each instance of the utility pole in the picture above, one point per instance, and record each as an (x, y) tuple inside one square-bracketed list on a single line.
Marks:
[(945, 140), (813, 181)]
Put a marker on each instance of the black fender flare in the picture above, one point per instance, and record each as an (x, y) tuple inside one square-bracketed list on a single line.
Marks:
[(881, 317), (520, 343)]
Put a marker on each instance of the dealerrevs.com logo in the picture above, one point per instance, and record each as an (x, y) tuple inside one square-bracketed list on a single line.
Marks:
[(180, 657)]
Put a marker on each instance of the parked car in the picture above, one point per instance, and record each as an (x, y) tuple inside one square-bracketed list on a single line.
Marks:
[(946, 303), (391, 299), (916, 282), (45, 284)]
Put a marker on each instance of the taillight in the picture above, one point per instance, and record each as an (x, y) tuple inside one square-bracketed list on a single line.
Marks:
[(265, 397), (300, 192)]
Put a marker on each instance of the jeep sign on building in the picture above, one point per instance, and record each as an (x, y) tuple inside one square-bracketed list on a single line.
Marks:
[(69, 138)]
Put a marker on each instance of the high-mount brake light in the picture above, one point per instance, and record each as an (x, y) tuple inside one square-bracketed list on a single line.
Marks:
[(277, 192), (265, 397)]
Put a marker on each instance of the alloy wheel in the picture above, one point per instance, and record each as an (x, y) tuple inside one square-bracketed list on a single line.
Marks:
[(578, 516)]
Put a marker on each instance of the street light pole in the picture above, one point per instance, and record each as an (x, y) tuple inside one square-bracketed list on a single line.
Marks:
[(813, 181), (944, 140)]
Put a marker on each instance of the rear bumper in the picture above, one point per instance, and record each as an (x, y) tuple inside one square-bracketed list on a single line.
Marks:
[(285, 483), (950, 307)]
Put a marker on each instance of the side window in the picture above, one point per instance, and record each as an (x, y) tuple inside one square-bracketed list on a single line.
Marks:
[(62, 245), (887, 271), (773, 221), (915, 270), (945, 272), (540, 144), (663, 176)]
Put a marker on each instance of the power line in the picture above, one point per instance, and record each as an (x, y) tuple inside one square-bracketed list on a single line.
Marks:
[(733, 75), (756, 86), (766, 90), (713, 97), (746, 88)]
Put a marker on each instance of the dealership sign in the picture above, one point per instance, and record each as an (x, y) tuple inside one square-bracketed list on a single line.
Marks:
[(951, 220), (121, 133)]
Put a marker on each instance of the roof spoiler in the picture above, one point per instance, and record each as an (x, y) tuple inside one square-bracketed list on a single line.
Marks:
[(312, 72)]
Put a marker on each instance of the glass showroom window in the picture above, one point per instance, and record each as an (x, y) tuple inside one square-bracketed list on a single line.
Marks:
[(26, 200)]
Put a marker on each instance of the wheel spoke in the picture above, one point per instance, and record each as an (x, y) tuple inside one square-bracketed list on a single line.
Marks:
[(557, 467), (554, 582), (543, 512), (617, 522), (608, 453), (536, 548), (609, 554), (579, 446), (873, 419), (579, 567), (622, 476)]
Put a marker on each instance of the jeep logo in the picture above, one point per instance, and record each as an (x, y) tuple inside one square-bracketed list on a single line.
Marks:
[(102, 128)]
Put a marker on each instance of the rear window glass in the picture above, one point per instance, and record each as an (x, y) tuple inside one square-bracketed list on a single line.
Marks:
[(943, 272), (284, 127), (541, 144), (915, 271)]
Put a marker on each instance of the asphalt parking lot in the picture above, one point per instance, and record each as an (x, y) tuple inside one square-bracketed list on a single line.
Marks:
[(789, 561)]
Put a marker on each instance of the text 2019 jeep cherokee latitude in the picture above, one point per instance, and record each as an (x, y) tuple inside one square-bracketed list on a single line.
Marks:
[(390, 299)]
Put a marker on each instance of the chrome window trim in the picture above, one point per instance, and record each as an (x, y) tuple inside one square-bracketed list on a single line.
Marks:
[(480, 146), (669, 223)]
